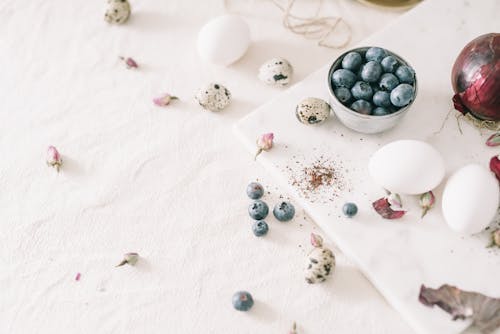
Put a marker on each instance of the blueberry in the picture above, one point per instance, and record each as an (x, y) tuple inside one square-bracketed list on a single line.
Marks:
[(371, 71), (388, 82), (405, 74), (350, 209), (343, 78), (382, 99), (258, 210), (260, 228), (402, 95), (375, 54), (389, 64), (242, 301), (255, 190), (362, 106), (343, 94), (362, 90), (284, 211), (352, 61), (380, 111)]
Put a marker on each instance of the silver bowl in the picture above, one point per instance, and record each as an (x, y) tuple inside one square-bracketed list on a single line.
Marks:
[(359, 122)]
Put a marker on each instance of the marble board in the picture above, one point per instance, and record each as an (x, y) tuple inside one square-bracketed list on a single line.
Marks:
[(397, 256)]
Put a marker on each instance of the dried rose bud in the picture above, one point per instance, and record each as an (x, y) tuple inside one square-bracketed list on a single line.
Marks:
[(54, 158), (264, 143), (493, 140), (427, 201), (129, 62), (294, 329), (387, 210), (129, 258), (316, 240), (495, 238), (77, 277), (164, 100), (495, 166)]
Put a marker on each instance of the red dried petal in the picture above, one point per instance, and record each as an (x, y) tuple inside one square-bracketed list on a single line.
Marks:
[(495, 166), (383, 208)]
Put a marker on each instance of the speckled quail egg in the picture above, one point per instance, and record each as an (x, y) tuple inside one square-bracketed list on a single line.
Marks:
[(117, 12), (312, 111), (213, 97), (276, 72)]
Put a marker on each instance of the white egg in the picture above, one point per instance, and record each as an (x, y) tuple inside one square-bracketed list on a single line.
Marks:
[(407, 167), (470, 199), (223, 40)]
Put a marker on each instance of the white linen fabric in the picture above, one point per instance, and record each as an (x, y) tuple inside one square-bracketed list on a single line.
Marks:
[(168, 183)]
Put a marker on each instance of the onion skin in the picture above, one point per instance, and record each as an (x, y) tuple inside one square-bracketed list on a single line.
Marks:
[(476, 78)]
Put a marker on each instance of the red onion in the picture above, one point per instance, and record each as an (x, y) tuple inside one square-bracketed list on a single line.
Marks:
[(476, 78)]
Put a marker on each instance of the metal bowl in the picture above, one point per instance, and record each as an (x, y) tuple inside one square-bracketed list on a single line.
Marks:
[(359, 122)]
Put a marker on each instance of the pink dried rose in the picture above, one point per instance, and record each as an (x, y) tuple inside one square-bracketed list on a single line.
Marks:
[(495, 238), (316, 240), (484, 311), (77, 277), (493, 140), (495, 166), (389, 207), (54, 158), (129, 62), (427, 201), (264, 143), (129, 258), (164, 100)]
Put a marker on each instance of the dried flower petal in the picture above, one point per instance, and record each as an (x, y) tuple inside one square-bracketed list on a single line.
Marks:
[(484, 311), (493, 140), (495, 166), (77, 277), (316, 240), (129, 62), (129, 258), (264, 143), (164, 100), (294, 329), (427, 201), (54, 158), (385, 210), (395, 202), (495, 238)]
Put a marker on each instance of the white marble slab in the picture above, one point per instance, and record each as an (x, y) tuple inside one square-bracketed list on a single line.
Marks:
[(397, 256)]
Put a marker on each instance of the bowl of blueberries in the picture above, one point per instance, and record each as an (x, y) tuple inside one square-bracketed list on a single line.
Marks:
[(371, 89)]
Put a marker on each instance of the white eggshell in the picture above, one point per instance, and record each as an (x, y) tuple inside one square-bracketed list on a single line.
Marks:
[(223, 40), (470, 199), (407, 167)]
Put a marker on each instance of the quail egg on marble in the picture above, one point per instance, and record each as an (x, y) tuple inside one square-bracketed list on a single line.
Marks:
[(117, 12), (213, 97), (276, 72), (312, 111)]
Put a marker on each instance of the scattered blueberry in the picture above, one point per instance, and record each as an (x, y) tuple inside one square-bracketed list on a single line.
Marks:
[(371, 71), (380, 111), (350, 209), (255, 190), (352, 61), (405, 74), (375, 54), (242, 301), (258, 210), (343, 94), (388, 82), (260, 228), (402, 95), (284, 211), (362, 106), (343, 78), (362, 90), (382, 99), (389, 64)]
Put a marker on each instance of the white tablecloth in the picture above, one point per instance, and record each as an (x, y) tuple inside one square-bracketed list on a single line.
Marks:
[(168, 183)]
